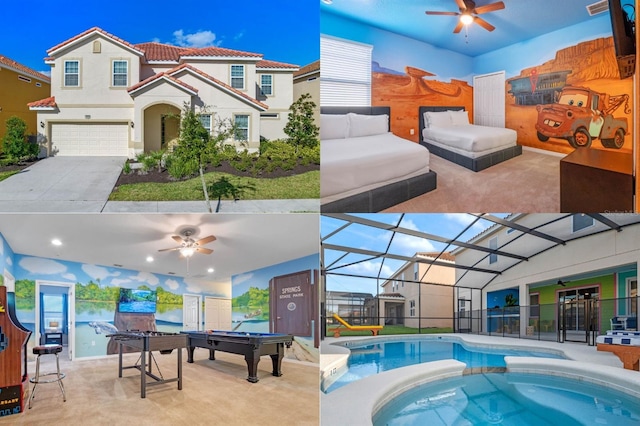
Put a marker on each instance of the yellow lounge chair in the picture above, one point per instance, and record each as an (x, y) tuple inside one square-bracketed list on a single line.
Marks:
[(374, 329)]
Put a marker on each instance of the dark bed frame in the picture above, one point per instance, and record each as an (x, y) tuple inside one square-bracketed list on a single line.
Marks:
[(383, 197), (475, 164)]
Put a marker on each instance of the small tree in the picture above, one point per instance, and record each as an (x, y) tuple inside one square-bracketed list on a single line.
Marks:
[(15, 144), (301, 128)]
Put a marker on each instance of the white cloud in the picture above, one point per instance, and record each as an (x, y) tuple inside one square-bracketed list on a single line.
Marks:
[(465, 220), (69, 276), (36, 265), (155, 40), (147, 278), (172, 284), (369, 268), (239, 279), (47, 73), (118, 281), (9, 261), (408, 245), (96, 272), (239, 35), (197, 39)]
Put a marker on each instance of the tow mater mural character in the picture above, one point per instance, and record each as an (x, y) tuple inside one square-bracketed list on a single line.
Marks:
[(581, 114)]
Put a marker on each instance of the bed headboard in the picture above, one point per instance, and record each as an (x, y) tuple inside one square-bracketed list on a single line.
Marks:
[(365, 110), (423, 109)]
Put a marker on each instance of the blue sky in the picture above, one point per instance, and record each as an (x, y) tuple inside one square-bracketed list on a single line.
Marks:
[(282, 30), (445, 225)]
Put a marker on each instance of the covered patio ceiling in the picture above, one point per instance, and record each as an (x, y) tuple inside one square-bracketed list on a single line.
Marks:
[(357, 247)]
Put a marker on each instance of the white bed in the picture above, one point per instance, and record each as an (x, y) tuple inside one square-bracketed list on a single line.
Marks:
[(358, 154), (448, 134)]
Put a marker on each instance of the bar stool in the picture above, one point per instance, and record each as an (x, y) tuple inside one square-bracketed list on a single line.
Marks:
[(47, 350)]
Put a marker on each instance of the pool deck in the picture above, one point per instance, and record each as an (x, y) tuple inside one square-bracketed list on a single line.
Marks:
[(357, 402)]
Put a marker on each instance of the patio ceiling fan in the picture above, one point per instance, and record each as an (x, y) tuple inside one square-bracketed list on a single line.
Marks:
[(469, 13), (187, 246)]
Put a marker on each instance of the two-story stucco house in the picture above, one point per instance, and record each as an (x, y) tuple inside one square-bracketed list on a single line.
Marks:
[(111, 97), (19, 84)]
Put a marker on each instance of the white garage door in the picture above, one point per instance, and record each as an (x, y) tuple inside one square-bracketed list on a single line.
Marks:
[(97, 139)]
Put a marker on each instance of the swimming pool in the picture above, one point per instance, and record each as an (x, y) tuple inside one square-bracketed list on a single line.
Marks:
[(373, 358), (510, 399)]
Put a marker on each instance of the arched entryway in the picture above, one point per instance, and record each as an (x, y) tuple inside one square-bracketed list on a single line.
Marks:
[(161, 126)]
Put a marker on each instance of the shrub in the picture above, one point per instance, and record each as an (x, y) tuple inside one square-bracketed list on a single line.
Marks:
[(180, 167), (15, 143), (301, 127), (126, 169)]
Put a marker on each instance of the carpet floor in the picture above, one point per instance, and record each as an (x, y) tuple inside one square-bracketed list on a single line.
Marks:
[(529, 183), (213, 392)]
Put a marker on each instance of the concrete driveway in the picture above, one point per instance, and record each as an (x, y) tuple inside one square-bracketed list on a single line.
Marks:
[(61, 184)]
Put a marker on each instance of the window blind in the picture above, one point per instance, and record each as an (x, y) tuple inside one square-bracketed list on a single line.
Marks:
[(345, 74)]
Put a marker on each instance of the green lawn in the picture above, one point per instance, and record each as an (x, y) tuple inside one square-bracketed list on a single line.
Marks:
[(389, 330), (4, 175), (306, 185)]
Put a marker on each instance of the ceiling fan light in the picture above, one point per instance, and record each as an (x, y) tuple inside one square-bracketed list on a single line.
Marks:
[(187, 251), (466, 18)]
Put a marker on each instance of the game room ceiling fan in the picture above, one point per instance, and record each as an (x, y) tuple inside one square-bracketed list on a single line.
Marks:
[(188, 246), (469, 13)]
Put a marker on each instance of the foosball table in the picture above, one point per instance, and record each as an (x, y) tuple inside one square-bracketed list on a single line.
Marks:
[(148, 342)]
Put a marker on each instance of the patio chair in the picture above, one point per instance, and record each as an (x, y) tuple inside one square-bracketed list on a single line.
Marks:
[(374, 329), (618, 323)]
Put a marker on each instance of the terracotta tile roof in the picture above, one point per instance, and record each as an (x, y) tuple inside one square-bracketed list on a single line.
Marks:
[(217, 82), (167, 52), (158, 76), (444, 256), (22, 68), (273, 64), (89, 31), (312, 67), (44, 103)]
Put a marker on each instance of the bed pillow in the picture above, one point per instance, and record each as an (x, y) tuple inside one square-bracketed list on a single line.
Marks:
[(437, 119), (334, 126), (459, 118), (367, 125)]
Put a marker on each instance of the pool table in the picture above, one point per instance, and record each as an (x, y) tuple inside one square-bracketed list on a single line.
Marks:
[(251, 345)]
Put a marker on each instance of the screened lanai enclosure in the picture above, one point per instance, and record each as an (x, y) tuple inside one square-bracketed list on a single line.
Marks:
[(557, 277)]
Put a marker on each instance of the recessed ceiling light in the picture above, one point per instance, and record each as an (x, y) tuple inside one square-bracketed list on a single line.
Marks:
[(56, 242), (210, 270), (149, 259)]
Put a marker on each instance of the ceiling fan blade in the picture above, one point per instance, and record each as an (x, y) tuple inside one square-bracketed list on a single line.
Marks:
[(204, 250), (458, 27), (178, 239), (205, 240), (484, 24), (171, 249), (429, 12), (489, 7), (461, 5)]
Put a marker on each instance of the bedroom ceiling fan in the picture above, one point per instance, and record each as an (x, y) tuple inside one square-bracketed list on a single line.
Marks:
[(469, 13), (188, 246)]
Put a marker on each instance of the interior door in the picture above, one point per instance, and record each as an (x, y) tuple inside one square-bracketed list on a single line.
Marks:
[(291, 304), (489, 99), (191, 315), (217, 313)]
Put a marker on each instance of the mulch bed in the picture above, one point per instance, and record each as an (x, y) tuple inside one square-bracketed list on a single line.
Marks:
[(163, 177), (17, 166)]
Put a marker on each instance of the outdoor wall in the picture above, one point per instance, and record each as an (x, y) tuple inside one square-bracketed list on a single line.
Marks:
[(250, 293)]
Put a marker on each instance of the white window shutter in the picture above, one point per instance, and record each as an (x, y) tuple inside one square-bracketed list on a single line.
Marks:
[(345, 73)]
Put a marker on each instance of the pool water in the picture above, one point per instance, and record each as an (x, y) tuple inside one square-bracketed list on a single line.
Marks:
[(375, 358), (510, 399)]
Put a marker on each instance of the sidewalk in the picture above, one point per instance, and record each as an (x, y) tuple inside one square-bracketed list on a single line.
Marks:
[(226, 206)]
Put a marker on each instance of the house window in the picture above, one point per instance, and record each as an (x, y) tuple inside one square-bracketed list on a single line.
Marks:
[(242, 127), (205, 120), (237, 76), (38, 85), (415, 272), (581, 221), (266, 84), (534, 305), (71, 73), (412, 308), (25, 79), (273, 115), (632, 292), (493, 244), (120, 73), (345, 77)]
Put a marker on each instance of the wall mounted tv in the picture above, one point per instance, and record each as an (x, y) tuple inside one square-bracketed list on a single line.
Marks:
[(137, 301), (622, 14)]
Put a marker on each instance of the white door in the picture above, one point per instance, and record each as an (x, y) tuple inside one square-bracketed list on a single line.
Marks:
[(71, 313), (217, 313), (489, 99), (191, 315), (95, 139)]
